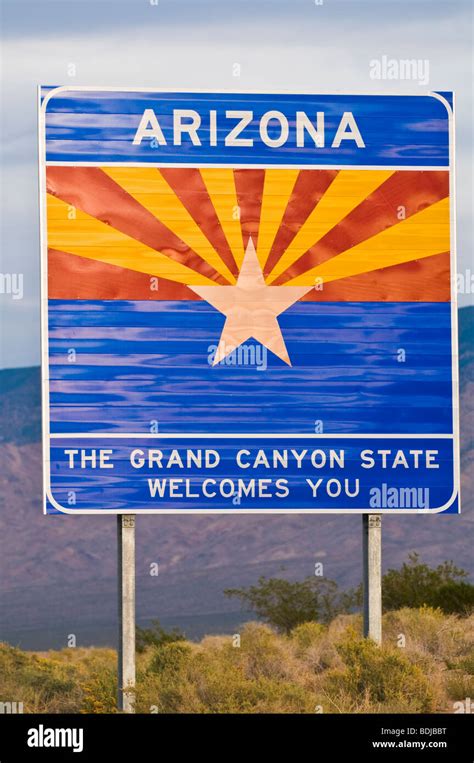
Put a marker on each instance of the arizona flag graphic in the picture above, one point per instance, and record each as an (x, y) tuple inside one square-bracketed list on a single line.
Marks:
[(232, 335)]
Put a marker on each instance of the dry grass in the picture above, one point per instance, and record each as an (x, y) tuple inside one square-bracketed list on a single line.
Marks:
[(425, 665)]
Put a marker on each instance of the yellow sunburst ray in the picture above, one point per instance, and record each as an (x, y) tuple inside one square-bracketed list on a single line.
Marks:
[(277, 190), (348, 189), (88, 237), (148, 186), (422, 235), (220, 185)]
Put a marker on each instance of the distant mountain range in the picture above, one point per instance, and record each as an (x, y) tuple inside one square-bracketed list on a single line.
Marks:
[(58, 573)]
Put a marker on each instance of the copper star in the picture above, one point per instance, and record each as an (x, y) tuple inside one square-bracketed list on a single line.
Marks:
[(251, 308)]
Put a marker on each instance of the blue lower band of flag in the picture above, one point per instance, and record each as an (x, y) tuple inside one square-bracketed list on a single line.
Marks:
[(144, 366)]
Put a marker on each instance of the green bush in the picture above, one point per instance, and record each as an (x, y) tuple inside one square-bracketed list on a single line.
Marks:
[(454, 597), (155, 636), (416, 584), (286, 604)]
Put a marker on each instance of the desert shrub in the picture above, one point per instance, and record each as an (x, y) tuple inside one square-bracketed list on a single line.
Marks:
[(325, 654), (307, 635), (459, 685), (42, 684), (381, 676), (166, 693), (427, 631), (216, 677), (170, 657), (223, 685), (100, 692), (466, 664), (163, 684), (86, 660), (232, 693), (262, 652), (422, 627)]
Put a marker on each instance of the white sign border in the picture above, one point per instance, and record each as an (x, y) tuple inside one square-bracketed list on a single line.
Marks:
[(46, 434)]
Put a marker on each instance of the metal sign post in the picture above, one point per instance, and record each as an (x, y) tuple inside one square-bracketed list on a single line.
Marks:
[(126, 610), (372, 575)]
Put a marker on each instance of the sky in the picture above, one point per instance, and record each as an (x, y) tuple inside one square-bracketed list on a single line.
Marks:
[(316, 45)]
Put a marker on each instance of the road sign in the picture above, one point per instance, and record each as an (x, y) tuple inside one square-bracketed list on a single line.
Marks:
[(247, 302)]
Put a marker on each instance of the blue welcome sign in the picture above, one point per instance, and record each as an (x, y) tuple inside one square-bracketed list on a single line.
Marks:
[(248, 302)]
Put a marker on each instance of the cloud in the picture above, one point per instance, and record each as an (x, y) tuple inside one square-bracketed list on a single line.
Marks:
[(56, 18)]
